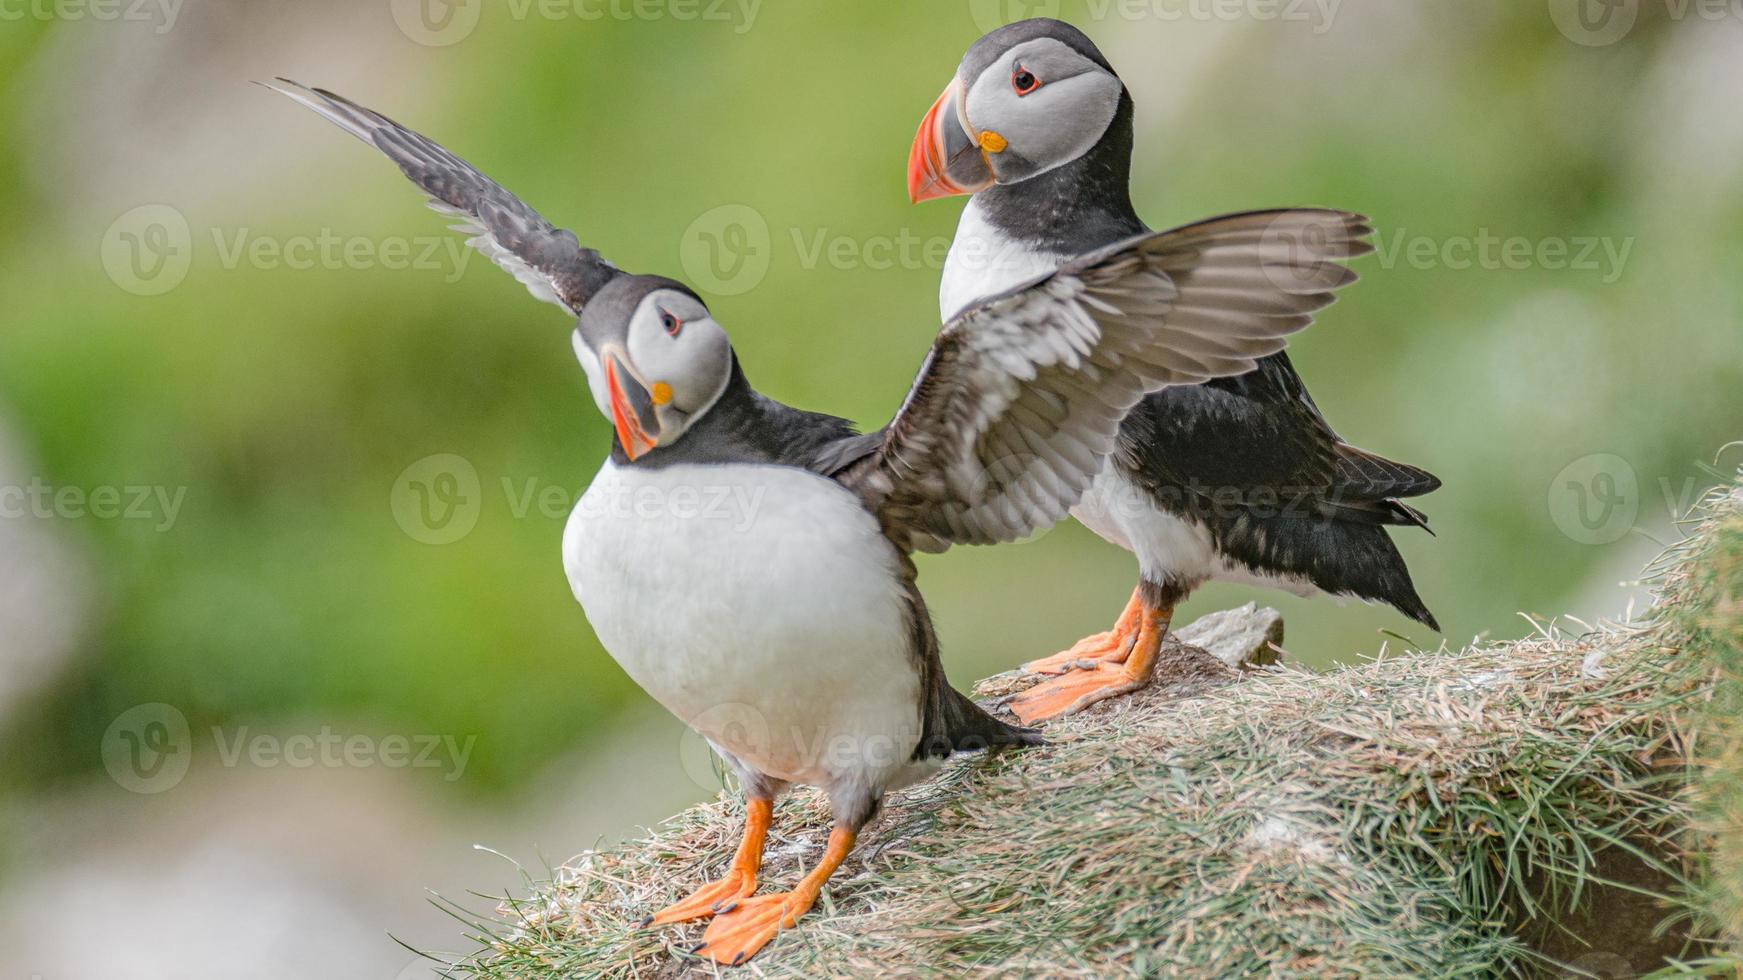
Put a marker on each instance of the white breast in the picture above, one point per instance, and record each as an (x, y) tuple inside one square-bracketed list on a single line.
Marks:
[(983, 261), (760, 604), (1168, 547)]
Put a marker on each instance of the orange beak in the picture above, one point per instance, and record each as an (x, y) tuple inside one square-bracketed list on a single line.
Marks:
[(631, 433), (946, 160)]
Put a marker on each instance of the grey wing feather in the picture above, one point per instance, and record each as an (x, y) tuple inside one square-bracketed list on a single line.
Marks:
[(549, 261), (1021, 399)]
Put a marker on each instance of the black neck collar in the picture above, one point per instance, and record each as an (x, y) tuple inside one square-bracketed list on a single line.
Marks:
[(1075, 208)]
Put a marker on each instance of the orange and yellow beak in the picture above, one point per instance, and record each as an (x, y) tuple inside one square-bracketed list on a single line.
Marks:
[(947, 159), (632, 407)]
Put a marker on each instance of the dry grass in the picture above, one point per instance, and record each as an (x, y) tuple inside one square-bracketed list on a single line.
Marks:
[(1478, 812)]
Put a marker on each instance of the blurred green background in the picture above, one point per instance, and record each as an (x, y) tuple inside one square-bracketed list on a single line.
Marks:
[(1552, 326)]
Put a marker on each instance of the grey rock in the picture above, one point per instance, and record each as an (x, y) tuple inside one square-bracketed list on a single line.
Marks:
[(1242, 636)]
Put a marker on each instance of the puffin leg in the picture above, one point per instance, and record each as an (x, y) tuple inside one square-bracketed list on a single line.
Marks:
[(1078, 689), (740, 880), (1112, 646), (735, 935)]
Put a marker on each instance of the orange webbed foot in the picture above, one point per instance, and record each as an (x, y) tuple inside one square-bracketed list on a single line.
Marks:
[(707, 900), (1109, 646), (740, 881), (1072, 692), (736, 935), (1102, 679)]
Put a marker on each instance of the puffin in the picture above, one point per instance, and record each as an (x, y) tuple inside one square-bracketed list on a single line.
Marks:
[(1240, 479), (750, 564)]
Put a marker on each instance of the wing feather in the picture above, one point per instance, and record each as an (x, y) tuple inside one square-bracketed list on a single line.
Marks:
[(548, 260), (1021, 398)]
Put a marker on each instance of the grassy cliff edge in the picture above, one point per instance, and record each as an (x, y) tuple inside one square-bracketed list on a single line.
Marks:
[(1563, 804)]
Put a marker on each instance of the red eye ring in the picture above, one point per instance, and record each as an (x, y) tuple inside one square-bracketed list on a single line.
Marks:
[(1023, 81), (671, 323)]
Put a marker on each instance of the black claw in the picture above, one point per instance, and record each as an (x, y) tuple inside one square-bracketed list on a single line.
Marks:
[(646, 920), (736, 960), (698, 947), (721, 908)]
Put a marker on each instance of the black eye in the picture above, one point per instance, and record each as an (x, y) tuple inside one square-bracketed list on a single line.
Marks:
[(671, 323), (1022, 82)]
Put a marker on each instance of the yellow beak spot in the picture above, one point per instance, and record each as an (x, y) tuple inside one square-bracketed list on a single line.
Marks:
[(661, 393), (992, 142)]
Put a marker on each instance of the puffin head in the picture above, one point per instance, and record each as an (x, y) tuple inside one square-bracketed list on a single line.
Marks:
[(655, 359), (1027, 98)]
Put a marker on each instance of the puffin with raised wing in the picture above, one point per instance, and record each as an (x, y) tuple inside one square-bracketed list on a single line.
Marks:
[(788, 628), (1240, 479)]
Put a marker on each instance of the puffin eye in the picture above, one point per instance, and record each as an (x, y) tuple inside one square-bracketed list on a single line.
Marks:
[(671, 323), (1023, 81)]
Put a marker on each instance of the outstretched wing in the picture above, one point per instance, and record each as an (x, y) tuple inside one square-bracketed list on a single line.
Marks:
[(548, 260), (1022, 396)]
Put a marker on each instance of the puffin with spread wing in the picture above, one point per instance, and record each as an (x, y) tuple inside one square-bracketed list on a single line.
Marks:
[(748, 564), (1240, 479)]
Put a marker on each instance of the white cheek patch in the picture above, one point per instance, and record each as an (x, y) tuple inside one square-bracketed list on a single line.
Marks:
[(595, 374), (696, 363), (1052, 126)]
